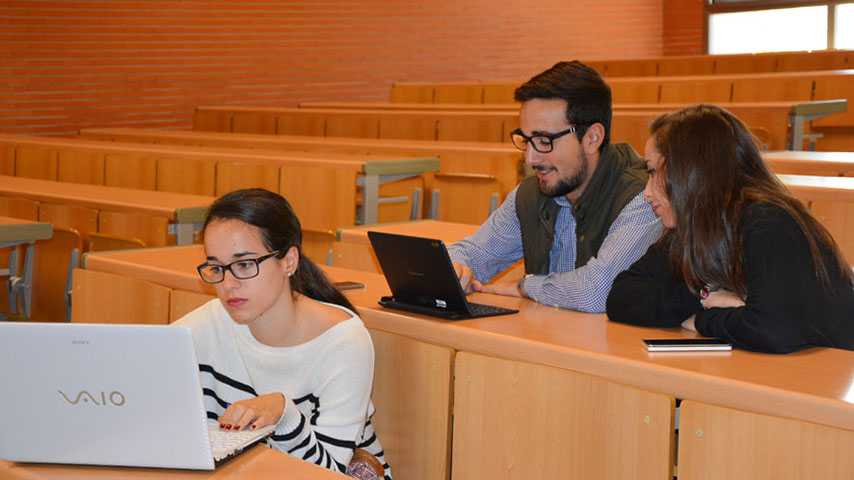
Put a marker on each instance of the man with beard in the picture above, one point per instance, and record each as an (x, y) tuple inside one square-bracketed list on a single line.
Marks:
[(582, 218)]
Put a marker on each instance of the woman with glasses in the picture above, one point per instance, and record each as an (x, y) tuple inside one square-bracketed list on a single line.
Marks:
[(281, 345), (741, 258)]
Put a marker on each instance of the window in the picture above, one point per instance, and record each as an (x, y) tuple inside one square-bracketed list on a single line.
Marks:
[(738, 26), (844, 26)]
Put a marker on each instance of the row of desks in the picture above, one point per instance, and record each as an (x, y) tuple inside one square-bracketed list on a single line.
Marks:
[(628, 124), (184, 169), (815, 386)]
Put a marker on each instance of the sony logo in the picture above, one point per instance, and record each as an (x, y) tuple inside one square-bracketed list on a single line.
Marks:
[(115, 398), (80, 342), (415, 274)]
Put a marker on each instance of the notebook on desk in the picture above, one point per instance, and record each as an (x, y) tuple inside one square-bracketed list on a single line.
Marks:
[(422, 280), (121, 395)]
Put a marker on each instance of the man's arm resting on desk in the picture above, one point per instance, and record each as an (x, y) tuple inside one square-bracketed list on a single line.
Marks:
[(586, 289)]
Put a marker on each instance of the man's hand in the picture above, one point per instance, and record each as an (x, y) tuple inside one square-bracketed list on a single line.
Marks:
[(467, 280), (510, 289)]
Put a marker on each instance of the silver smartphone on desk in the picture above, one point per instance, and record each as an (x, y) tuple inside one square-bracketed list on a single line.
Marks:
[(687, 345)]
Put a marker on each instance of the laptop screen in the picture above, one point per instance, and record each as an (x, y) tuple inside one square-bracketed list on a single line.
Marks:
[(419, 271)]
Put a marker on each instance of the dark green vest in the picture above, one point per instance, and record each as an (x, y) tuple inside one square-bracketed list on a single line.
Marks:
[(619, 176)]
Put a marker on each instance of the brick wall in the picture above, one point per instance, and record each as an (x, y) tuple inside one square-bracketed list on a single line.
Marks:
[(75, 64), (683, 27)]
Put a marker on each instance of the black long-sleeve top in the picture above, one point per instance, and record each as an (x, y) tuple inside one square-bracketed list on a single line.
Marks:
[(786, 307)]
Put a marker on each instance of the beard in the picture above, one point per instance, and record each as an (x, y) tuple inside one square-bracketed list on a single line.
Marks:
[(568, 184)]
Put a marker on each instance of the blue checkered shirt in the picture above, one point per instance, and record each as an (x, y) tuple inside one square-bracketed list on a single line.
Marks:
[(497, 244)]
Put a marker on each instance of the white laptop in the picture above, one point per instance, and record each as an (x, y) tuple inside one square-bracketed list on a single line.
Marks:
[(124, 395)]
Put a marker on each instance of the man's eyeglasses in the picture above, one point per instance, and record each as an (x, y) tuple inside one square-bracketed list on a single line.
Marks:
[(541, 143), (243, 269)]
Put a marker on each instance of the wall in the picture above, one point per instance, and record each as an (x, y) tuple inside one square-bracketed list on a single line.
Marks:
[(683, 27), (76, 64)]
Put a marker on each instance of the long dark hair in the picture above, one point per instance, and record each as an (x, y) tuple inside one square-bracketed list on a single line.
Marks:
[(280, 230), (712, 171)]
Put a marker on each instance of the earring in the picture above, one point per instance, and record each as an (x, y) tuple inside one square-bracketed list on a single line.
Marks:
[(290, 273)]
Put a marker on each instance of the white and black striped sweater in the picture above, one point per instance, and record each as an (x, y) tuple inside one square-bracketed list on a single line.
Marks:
[(326, 382)]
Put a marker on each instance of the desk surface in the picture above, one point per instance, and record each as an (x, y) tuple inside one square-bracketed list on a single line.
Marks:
[(811, 163), (258, 463), (828, 189), (308, 141), (18, 230), (448, 232), (178, 207), (815, 385)]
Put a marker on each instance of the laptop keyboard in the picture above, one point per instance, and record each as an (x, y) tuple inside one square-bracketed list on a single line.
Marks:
[(226, 442), (481, 310)]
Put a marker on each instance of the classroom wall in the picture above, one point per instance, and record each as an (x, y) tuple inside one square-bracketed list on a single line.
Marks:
[(76, 64), (683, 27)]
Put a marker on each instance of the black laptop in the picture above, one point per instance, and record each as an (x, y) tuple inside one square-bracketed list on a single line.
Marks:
[(422, 279)]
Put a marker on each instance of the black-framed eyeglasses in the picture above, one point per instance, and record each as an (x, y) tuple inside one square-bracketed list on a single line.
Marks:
[(242, 269), (543, 143)]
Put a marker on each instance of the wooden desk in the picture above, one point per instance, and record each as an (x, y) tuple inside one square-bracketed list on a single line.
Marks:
[(500, 159), (829, 164), (217, 171), (258, 463), (773, 114), (545, 344), (352, 249), (182, 210), (816, 384), (446, 231), (14, 232)]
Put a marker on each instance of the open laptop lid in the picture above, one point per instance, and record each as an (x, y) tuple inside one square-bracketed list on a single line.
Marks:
[(420, 273), (124, 395)]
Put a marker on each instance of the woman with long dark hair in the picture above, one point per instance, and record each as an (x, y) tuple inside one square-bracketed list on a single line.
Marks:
[(280, 345), (741, 258)]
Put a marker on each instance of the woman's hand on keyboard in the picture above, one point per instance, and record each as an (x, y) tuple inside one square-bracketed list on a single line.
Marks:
[(253, 412)]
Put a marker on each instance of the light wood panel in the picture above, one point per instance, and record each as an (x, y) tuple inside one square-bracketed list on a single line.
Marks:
[(36, 163), (84, 220), (458, 93), (186, 175), (408, 128), (352, 127), (411, 93), (718, 442), (317, 245), (151, 230), (51, 267), (182, 302), (412, 396), (520, 420), (234, 176), (99, 297), (130, 171), (81, 167), (838, 218), (19, 208), (465, 198), (7, 160), (103, 242), (355, 256), (332, 207)]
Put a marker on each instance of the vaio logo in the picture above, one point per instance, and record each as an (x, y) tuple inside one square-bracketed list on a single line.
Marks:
[(115, 398)]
